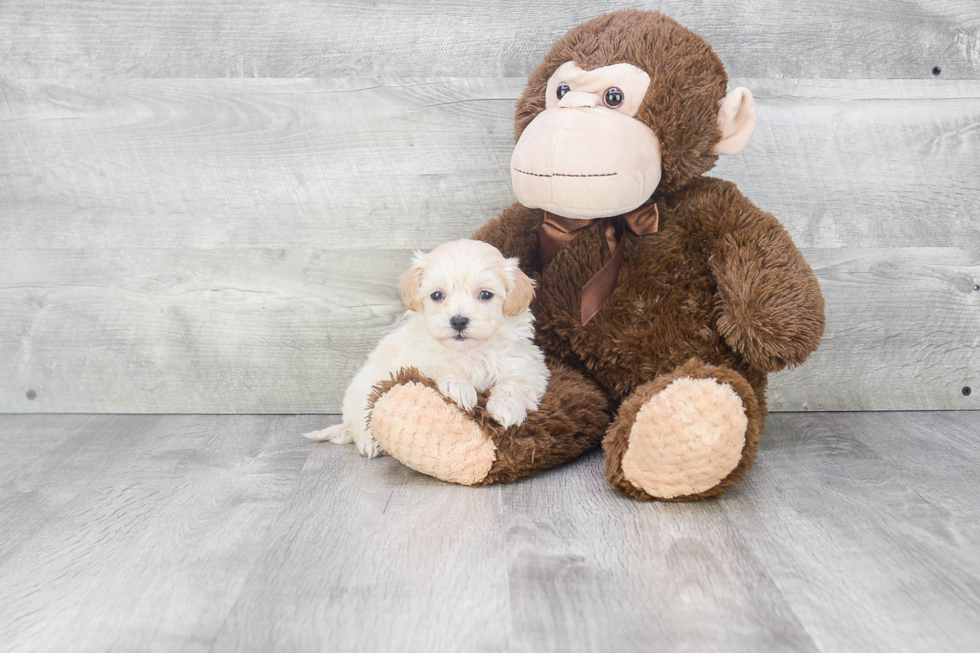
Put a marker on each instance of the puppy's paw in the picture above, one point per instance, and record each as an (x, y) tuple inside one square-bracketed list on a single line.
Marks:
[(337, 434), (459, 390), (367, 446), (506, 407)]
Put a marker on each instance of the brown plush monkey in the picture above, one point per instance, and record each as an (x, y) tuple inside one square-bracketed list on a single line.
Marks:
[(664, 297)]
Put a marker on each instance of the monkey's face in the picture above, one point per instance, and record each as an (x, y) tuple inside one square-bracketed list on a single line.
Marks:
[(586, 156)]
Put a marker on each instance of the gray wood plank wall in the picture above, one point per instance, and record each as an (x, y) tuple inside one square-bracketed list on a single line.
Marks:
[(205, 206)]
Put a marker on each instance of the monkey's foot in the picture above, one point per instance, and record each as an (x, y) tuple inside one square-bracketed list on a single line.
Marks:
[(418, 426), (424, 430), (683, 438)]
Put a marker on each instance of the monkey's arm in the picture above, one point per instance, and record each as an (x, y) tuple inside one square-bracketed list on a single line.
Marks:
[(772, 307), (514, 233)]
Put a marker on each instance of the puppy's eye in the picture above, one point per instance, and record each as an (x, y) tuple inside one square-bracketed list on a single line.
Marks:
[(436, 296), (613, 97), (562, 89), (486, 295)]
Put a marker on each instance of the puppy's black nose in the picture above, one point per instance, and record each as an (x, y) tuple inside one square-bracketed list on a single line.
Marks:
[(459, 322)]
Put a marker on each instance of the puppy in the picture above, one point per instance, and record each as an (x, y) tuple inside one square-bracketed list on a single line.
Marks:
[(468, 327)]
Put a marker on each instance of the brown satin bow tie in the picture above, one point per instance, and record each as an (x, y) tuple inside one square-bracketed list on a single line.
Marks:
[(556, 232)]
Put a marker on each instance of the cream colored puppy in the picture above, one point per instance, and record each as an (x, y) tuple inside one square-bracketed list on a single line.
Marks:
[(468, 327)]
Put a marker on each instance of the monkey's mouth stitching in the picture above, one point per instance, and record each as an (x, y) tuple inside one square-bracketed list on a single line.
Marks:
[(561, 174)]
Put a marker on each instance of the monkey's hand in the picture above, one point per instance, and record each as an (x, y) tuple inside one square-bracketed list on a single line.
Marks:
[(772, 308)]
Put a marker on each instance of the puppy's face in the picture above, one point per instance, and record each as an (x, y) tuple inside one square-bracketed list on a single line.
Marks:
[(466, 290)]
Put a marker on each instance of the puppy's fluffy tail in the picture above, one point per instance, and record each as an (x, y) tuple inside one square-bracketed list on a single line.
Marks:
[(338, 434)]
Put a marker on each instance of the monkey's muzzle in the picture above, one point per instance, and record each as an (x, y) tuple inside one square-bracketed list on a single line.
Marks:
[(585, 162)]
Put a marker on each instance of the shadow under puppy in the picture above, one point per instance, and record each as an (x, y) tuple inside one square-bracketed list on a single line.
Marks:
[(468, 327)]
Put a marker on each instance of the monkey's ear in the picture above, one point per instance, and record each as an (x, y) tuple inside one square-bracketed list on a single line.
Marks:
[(411, 283), (520, 290), (736, 120)]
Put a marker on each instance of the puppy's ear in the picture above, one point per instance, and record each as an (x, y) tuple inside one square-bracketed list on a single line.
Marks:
[(411, 282), (520, 290)]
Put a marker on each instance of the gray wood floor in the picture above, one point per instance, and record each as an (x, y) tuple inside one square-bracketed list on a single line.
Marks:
[(856, 532)]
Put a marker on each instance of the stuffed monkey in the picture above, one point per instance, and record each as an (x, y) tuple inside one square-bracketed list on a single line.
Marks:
[(664, 297)]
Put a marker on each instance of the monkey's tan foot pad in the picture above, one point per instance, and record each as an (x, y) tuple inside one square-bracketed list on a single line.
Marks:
[(418, 427), (685, 439)]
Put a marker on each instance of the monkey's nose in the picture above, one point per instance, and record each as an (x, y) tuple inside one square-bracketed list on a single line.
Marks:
[(577, 100), (459, 322)]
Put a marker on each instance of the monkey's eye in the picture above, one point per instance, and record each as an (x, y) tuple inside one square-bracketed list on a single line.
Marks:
[(613, 98), (486, 295), (562, 89), (436, 296)]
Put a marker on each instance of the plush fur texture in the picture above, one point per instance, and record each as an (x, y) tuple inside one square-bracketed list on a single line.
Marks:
[(720, 292), (686, 291)]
